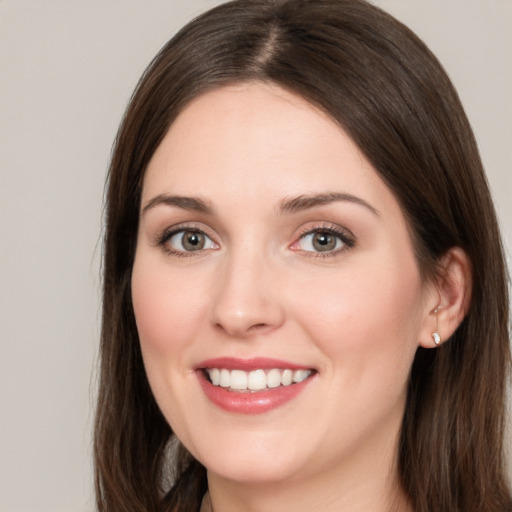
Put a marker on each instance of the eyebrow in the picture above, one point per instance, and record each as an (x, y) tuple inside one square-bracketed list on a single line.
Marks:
[(186, 203), (293, 205), (305, 202)]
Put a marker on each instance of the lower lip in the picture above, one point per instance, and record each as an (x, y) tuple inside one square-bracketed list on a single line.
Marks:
[(255, 402)]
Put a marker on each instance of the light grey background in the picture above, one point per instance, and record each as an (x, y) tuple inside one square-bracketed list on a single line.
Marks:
[(67, 69)]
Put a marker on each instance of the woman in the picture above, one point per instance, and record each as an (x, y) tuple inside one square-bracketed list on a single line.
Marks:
[(305, 300)]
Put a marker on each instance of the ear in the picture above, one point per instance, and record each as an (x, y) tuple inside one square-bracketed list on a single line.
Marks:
[(448, 297)]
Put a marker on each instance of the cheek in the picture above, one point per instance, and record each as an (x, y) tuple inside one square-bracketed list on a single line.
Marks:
[(167, 308), (367, 319)]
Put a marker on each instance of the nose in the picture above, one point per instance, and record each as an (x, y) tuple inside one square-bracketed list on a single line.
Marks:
[(246, 298)]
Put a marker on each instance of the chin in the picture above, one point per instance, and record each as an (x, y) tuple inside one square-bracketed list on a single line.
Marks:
[(259, 470), (251, 459)]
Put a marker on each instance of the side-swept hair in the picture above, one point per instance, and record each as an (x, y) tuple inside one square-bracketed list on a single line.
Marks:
[(375, 78)]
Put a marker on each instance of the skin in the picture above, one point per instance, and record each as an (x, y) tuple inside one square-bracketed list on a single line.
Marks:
[(355, 315)]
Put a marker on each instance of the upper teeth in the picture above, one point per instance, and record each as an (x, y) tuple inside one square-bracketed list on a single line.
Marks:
[(257, 379)]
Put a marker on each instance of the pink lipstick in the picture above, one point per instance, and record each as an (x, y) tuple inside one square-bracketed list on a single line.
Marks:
[(252, 386)]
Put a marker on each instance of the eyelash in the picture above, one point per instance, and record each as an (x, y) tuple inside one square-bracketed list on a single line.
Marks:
[(162, 239), (347, 238)]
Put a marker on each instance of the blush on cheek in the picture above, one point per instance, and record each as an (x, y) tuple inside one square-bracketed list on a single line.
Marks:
[(379, 314), (167, 309), (151, 311)]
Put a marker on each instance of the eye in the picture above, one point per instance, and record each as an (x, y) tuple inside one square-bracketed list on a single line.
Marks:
[(187, 240), (323, 241)]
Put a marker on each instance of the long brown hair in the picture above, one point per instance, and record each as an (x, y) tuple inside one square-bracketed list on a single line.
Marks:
[(389, 93)]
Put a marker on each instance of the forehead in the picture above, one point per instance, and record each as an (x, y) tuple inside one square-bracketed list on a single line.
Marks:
[(258, 140)]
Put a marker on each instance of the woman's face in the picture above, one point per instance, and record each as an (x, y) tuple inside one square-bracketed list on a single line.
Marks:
[(269, 251)]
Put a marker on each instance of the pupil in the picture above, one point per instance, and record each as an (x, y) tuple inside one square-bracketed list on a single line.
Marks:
[(193, 241), (324, 242)]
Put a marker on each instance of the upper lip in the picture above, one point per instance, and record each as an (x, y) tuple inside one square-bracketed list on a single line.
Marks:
[(256, 363)]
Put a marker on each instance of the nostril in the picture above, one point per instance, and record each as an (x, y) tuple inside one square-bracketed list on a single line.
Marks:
[(260, 327), (252, 315)]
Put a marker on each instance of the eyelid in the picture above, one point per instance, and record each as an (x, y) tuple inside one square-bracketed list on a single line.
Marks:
[(163, 236), (345, 235)]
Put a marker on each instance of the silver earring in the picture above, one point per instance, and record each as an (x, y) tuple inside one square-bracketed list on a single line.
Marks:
[(435, 335)]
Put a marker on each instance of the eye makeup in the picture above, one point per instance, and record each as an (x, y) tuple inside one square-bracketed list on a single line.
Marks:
[(325, 240), (322, 240), (194, 240)]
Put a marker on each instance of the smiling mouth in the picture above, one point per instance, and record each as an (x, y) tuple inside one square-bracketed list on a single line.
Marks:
[(255, 380)]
